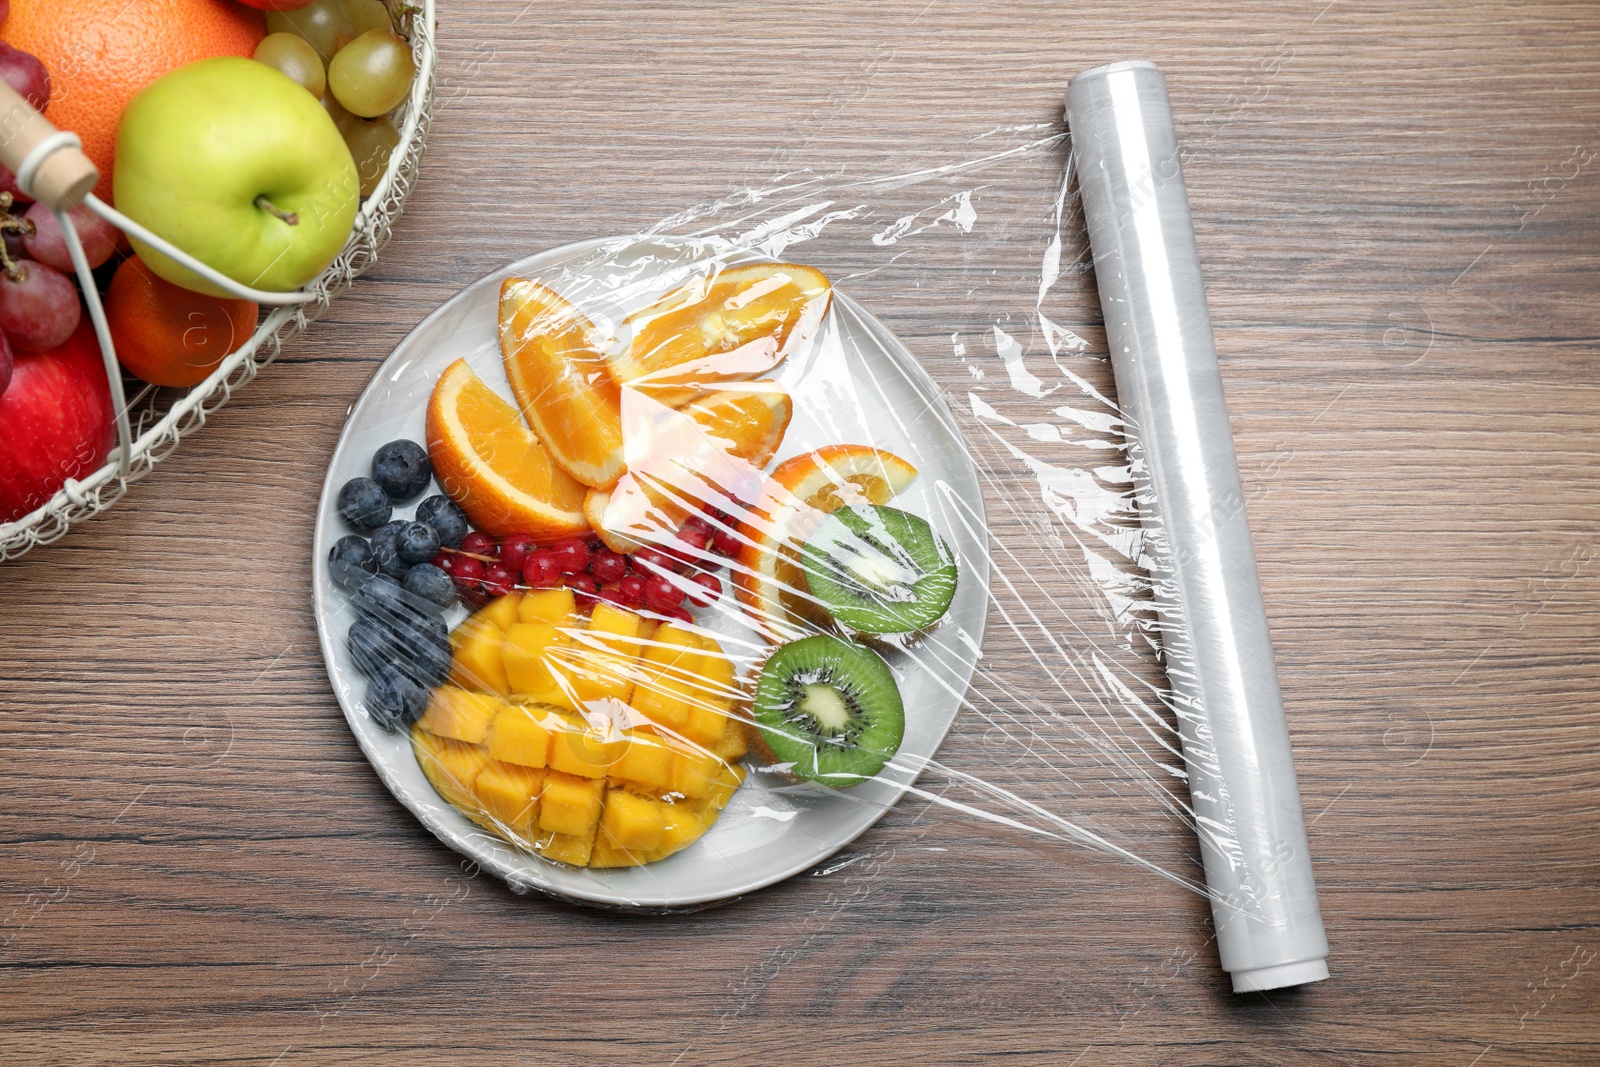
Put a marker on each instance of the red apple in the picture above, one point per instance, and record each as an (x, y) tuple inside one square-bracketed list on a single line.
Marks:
[(56, 422)]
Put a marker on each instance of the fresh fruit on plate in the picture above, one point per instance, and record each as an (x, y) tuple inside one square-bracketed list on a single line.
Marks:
[(796, 498), (734, 325), (680, 459), (242, 168), (554, 358), (879, 570), (827, 710), (169, 335), (604, 742), (490, 464), (58, 421), (101, 52)]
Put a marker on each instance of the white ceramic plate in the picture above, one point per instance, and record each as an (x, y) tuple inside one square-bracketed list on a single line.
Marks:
[(854, 383)]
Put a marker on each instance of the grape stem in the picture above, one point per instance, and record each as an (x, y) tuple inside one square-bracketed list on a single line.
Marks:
[(277, 212), (12, 224)]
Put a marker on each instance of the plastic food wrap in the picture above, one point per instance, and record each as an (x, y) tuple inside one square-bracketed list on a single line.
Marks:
[(738, 517)]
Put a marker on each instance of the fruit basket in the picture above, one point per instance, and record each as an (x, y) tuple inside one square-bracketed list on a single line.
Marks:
[(159, 418)]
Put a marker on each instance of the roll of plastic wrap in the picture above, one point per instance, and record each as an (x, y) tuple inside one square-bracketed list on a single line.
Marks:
[(1213, 622)]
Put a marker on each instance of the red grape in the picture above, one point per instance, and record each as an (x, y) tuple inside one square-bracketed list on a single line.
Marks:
[(541, 571), (499, 579), (631, 590), (712, 593), (514, 551), (572, 555), (40, 311), (478, 543), (5, 9), (24, 73), (660, 594), (8, 184), (48, 244), (6, 359), (607, 566)]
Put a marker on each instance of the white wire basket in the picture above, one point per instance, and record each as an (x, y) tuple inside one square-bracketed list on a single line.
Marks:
[(160, 418)]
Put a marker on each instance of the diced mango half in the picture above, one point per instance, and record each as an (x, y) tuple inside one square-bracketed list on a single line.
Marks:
[(605, 742)]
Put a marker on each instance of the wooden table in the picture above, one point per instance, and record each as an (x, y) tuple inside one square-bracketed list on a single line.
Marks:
[(1397, 207)]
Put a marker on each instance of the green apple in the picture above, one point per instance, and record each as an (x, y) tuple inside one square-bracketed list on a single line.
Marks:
[(239, 166)]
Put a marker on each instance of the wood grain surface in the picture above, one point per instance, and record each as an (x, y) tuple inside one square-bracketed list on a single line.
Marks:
[(1399, 212)]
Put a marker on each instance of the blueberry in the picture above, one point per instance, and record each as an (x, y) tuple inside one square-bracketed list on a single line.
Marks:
[(372, 646), (402, 469), (386, 548), (416, 630), (447, 520), (429, 663), (417, 543), (429, 583), (364, 504), (351, 561), (383, 599), (395, 700)]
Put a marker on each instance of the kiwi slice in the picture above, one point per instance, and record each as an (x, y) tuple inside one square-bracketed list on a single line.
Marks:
[(879, 570), (829, 708)]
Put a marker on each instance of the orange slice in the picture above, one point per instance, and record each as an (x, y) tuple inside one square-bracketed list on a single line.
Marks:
[(555, 363), (732, 326), (678, 460), (795, 499), (490, 464)]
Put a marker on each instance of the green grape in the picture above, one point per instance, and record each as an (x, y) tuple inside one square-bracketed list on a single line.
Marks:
[(341, 118), (368, 15), (294, 56), (371, 144), (372, 73), (323, 23)]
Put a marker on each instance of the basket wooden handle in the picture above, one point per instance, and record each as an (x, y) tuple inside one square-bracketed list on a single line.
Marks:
[(63, 177)]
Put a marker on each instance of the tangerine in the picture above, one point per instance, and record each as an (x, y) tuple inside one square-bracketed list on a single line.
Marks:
[(101, 52), (168, 335)]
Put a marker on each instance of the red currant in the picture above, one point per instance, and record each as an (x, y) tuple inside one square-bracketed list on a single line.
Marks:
[(581, 583), (692, 540), (660, 593), (571, 555), (696, 522), (445, 561), (654, 561), (608, 566), (499, 579), (710, 591), (514, 551), (468, 572), (680, 614), (631, 590), (726, 542), (541, 571), (478, 543)]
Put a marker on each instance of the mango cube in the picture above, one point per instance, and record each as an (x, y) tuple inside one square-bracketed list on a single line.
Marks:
[(633, 822), (645, 762), (502, 610), (459, 714), (581, 749), (509, 795), (693, 771), (519, 735), (570, 805), (451, 767), (475, 661), (528, 655), (681, 828), (554, 606), (576, 849)]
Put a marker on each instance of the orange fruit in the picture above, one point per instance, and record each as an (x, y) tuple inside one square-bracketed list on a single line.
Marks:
[(796, 497), (490, 464), (731, 327), (555, 361), (169, 335), (101, 52), (678, 460)]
